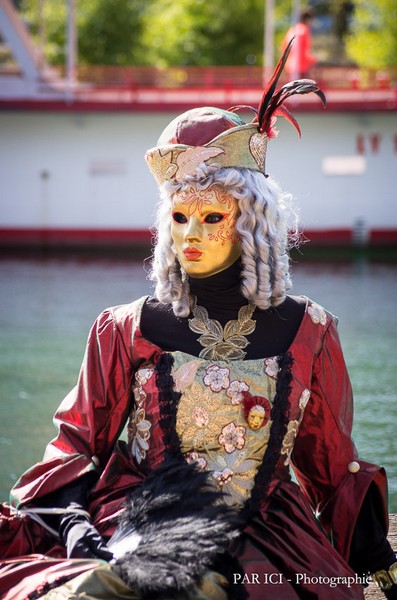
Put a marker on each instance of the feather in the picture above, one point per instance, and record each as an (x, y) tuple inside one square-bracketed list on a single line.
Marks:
[(282, 111), (242, 107), (270, 105), (271, 86), (177, 526), (300, 86)]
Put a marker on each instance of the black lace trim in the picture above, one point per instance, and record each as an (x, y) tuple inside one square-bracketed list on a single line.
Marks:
[(168, 400), (280, 417)]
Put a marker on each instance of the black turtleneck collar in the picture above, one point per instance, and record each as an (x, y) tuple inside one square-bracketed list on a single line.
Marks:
[(220, 293)]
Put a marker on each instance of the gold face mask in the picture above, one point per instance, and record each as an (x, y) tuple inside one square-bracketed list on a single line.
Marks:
[(203, 229), (256, 417)]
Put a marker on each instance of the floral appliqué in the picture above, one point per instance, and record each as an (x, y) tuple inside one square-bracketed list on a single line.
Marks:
[(232, 437), (139, 434), (194, 457), (188, 160), (293, 427), (271, 367), (142, 376), (138, 427), (217, 378), (185, 375), (317, 314), (234, 475), (235, 391)]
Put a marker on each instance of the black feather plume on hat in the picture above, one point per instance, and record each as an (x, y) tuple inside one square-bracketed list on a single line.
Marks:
[(270, 105)]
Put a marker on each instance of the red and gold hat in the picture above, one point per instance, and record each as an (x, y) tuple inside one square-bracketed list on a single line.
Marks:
[(214, 136)]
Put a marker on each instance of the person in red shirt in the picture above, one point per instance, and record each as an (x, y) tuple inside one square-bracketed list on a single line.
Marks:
[(300, 59)]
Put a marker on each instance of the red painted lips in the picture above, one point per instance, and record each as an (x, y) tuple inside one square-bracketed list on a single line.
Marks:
[(192, 253)]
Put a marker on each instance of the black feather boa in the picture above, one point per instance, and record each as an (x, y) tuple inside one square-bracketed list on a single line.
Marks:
[(182, 528)]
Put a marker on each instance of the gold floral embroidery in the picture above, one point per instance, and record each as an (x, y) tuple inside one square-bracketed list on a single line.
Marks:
[(194, 457), (161, 165), (222, 343), (201, 415), (289, 439)]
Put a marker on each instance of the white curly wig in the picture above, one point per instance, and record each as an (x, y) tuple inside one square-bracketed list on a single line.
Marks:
[(267, 227)]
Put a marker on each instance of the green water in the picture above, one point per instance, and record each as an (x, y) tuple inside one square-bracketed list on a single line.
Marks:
[(48, 306)]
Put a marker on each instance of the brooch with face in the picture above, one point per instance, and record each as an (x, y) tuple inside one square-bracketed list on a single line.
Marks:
[(256, 410)]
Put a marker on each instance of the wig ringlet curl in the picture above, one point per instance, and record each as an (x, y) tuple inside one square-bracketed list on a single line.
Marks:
[(267, 227)]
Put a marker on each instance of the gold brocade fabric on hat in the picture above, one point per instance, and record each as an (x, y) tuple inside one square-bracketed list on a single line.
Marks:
[(211, 421), (242, 147)]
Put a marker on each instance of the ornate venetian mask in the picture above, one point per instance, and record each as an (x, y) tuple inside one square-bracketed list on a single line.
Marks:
[(203, 230)]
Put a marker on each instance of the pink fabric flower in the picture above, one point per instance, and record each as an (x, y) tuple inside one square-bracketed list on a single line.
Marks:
[(235, 391), (217, 378), (232, 437)]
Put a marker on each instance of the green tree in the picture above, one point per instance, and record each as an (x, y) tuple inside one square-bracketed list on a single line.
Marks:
[(200, 32), (109, 32), (373, 39)]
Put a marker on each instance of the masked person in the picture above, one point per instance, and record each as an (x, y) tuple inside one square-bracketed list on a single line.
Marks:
[(222, 378)]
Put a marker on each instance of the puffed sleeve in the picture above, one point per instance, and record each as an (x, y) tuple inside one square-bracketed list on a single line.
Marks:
[(91, 417), (325, 459)]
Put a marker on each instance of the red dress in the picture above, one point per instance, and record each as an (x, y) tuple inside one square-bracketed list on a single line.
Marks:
[(285, 549)]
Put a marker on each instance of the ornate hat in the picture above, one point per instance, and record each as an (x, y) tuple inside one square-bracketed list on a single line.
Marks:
[(214, 136)]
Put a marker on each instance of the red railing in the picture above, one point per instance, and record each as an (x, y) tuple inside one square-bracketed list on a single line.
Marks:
[(226, 77), (249, 77)]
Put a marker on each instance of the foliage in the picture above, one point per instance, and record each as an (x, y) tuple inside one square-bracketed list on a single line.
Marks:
[(206, 32), (199, 32), (110, 32), (53, 19), (373, 39)]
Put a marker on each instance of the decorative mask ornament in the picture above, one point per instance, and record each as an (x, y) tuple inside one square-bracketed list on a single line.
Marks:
[(214, 136), (256, 410)]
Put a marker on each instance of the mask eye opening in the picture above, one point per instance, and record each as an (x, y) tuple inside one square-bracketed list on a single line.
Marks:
[(214, 218), (179, 217)]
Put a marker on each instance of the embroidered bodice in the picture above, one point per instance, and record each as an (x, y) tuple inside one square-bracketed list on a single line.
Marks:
[(211, 423)]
